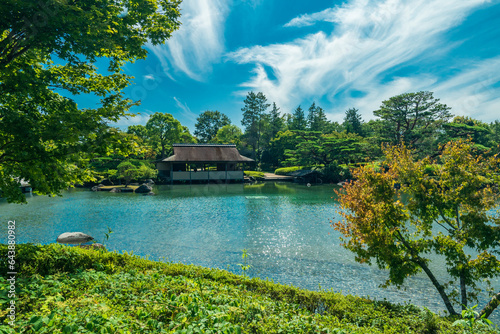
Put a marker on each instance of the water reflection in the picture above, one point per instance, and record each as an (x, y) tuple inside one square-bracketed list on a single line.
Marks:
[(285, 228)]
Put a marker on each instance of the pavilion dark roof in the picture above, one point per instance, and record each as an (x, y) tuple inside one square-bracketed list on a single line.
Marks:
[(206, 153)]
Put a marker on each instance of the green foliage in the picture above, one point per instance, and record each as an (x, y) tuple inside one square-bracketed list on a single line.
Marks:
[(48, 52), (146, 172), (334, 172), (299, 121), (244, 266), (315, 148), (353, 122), (286, 170), (465, 127), (276, 122), (275, 154), (470, 319), (163, 131), (316, 119), (128, 171), (413, 119), (75, 290), (449, 209), (254, 119), (229, 134), (254, 174), (208, 124)]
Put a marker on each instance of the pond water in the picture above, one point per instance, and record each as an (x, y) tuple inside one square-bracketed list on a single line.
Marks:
[(284, 227)]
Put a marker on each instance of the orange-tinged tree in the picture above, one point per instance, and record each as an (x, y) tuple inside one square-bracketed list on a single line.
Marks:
[(448, 206)]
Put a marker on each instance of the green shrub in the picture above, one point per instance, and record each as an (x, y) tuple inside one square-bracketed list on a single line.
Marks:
[(254, 174), (63, 289), (286, 170), (335, 172)]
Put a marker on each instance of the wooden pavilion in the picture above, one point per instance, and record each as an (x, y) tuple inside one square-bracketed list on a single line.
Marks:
[(203, 163)]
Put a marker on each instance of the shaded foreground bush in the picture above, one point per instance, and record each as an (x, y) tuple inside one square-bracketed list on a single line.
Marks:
[(64, 289)]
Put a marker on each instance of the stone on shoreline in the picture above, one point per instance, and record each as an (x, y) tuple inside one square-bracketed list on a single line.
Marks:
[(144, 189), (74, 238)]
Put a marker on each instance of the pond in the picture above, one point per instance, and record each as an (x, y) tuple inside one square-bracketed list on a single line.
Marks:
[(284, 227)]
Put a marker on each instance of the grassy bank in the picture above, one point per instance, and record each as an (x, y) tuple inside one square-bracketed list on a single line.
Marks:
[(71, 290)]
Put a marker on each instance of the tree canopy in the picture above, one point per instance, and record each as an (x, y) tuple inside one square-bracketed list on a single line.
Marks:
[(353, 122), (208, 123), (445, 206), (48, 53), (164, 130), (254, 112), (412, 118)]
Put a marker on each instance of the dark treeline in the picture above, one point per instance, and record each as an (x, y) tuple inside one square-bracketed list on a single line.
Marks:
[(304, 137)]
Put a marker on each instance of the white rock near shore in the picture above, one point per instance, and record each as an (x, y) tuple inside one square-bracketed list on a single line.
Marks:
[(74, 238)]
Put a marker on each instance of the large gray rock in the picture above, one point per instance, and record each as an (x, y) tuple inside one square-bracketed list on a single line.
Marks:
[(74, 238), (144, 189)]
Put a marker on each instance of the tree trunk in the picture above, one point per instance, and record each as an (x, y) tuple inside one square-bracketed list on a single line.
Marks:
[(429, 273), (438, 286), (490, 307), (463, 290)]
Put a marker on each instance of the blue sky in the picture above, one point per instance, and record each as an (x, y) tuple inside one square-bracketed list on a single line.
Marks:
[(355, 53)]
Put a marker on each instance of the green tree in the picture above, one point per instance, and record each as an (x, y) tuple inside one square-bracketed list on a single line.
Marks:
[(445, 207), (48, 53), (465, 127), (138, 130), (186, 137), (207, 125), (146, 172), (276, 122), (316, 119), (128, 171), (299, 121), (284, 141), (253, 118), (353, 121), (164, 130), (413, 119), (315, 148), (229, 134)]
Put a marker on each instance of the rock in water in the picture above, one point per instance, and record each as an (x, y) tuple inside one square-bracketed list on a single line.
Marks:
[(143, 189), (74, 238)]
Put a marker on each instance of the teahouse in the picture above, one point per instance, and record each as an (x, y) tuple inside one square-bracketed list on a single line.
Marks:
[(203, 163)]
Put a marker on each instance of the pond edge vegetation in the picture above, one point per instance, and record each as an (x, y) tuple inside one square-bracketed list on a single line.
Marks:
[(70, 289)]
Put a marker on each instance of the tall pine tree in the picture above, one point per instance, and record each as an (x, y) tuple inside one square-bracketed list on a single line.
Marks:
[(253, 118), (276, 122), (353, 121), (316, 118), (299, 121)]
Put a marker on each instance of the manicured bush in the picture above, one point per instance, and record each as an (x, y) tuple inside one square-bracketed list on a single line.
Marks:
[(63, 289), (254, 174), (286, 170)]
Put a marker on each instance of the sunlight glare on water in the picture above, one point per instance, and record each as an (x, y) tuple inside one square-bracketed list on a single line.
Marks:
[(284, 227)]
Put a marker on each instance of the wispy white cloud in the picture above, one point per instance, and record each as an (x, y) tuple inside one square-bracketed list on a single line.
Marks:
[(473, 92), (139, 118), (327, 15), (198, 43), (186, 113), (369, 40)]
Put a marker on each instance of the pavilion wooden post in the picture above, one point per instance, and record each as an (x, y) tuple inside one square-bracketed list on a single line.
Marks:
[(171, 173)]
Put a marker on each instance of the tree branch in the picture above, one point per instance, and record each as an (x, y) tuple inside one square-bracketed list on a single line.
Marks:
[(418, 260), (490, 307)]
